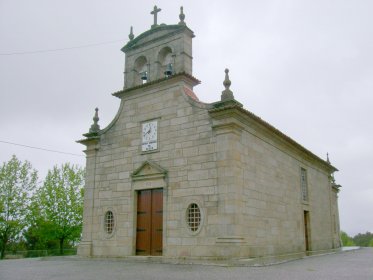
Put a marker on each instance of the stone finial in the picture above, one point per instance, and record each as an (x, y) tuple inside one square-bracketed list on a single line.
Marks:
[(155, 11), (332, 179), (131, 36), (227, 94), (182, 16), (95, 127)]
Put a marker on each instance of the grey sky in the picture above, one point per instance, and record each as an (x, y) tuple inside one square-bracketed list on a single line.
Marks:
[(306, 67)]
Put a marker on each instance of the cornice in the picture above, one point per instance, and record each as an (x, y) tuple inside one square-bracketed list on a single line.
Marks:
[(243, 115), (174, 28), (89, 140), (190, 79)]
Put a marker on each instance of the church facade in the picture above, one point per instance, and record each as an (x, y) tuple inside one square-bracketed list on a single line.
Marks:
[(175, 177)]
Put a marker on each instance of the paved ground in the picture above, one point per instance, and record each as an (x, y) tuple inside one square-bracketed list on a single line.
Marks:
[(356, 265)]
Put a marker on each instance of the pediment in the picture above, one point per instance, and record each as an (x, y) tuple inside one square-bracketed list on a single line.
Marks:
[(148, 170), (155, 34)]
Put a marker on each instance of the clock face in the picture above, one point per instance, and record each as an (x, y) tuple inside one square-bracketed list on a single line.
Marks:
[(149, 136)]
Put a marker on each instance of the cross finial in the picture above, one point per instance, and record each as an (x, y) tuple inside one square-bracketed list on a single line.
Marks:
[(155, 11), (327, 158)]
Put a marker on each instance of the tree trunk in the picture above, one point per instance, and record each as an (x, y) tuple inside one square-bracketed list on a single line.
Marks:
[(61, 245), (3, 242), (2, 251)]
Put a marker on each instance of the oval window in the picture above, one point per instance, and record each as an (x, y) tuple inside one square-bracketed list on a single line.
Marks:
[(109, 222), (193, 217)]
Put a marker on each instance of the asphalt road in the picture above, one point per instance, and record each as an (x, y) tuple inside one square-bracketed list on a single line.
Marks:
[(356, 265)]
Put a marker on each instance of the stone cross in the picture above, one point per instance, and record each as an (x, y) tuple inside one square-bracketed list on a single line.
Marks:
[(155, 11)]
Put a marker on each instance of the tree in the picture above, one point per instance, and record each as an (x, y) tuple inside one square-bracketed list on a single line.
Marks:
[(59, 205), (18, 181), (346, 240), (363, 239), (36, 235), (371, 243)]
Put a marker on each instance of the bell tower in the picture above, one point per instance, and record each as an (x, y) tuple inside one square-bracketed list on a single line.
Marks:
[(161, 52)]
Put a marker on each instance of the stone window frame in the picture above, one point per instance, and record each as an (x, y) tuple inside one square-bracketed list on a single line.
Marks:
[(186, 217), (304, 185), (112, 224)]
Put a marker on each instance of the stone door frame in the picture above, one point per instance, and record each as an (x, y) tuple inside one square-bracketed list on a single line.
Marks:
[(148, 176)]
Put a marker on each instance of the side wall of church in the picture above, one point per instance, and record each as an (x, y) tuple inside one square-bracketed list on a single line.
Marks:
[(274, 209)]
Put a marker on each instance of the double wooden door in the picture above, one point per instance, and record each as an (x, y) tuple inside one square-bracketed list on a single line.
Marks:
[(149, 222)]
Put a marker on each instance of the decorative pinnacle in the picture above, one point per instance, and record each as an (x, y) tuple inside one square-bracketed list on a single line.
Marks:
[(155, 11), (95, 127), (227, 94), (131, 36), (182, 16), (332, 179)]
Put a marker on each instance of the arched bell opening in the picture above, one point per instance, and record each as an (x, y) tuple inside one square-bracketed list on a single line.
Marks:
[(141, 69), (166, 60)]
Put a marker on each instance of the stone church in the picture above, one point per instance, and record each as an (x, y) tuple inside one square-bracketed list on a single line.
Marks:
[(175, 177)]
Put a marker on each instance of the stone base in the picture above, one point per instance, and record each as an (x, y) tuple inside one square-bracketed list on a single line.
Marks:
[(85, 249), (259, 261)]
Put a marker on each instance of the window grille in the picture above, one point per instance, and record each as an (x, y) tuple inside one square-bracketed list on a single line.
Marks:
[(193, 217), (109, 222)]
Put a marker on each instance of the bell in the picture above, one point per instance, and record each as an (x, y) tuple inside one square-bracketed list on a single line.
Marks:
[(168, 71), (144, 76)]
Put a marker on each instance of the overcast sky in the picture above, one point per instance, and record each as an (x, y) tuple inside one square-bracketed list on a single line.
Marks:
[(306, 67)]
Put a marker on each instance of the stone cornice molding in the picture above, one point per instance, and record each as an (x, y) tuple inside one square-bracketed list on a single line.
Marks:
[(225, 128), (336, 188), (165, 32), (187, 78), (235, 111), (90, 142)]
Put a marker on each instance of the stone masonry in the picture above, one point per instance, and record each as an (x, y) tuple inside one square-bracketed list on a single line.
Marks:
[(242, 173)]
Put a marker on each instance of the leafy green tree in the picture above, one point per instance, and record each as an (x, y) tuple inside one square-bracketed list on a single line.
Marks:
[(58, 206), (36, 235), (346, 240), (363, 239), (18, 181), (371, 243)]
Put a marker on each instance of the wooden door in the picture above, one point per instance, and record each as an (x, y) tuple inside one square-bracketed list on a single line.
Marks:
[(143, 222), (156, 222), (306, 230), (149, 222)]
